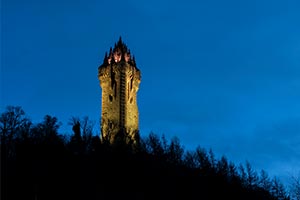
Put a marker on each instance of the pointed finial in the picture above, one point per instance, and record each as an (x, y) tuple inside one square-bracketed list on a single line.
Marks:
[(105, 57), (120, 43)]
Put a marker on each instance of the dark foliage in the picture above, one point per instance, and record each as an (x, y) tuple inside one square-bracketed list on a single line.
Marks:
[(39, 163)]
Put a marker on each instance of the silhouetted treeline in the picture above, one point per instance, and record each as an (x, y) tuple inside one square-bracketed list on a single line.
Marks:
[(39, 163)]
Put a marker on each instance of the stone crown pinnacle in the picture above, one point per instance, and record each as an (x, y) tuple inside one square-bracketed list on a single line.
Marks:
[(120, 52)]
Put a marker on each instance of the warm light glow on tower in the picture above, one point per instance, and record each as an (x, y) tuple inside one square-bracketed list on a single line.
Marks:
[(119, 79)]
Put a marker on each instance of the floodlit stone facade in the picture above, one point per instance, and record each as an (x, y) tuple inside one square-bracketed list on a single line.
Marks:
[(119, 79)]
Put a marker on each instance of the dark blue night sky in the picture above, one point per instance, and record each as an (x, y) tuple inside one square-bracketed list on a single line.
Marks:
[(220, 74)]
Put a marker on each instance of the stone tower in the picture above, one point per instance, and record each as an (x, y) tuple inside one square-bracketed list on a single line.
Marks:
[(119, 79)]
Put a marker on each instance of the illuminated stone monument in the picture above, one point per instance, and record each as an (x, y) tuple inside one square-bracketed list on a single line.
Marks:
[(119, 79)]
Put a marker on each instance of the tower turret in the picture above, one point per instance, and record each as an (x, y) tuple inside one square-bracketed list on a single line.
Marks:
[(119, 79)]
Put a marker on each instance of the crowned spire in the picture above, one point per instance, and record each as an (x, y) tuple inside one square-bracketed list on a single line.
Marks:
[(119, 53)]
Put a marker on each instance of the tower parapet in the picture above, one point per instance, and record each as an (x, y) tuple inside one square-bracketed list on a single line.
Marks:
[(119, 79)]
